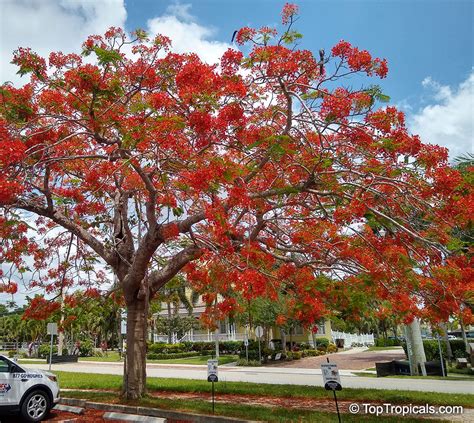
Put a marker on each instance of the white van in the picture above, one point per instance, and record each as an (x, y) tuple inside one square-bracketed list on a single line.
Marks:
[(32, 393)]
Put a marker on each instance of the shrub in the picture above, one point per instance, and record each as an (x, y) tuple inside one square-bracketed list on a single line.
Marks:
[(332, 348), (43, 350), (155, 356), (230, 347), (322, 342), (387, 342), (431, 347), (86, 348), (163, 348), (296, 355)]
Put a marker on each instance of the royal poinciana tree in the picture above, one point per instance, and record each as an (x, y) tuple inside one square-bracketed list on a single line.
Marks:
[(263, 175)]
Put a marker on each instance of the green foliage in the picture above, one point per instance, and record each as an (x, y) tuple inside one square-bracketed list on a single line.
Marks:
[(431, 347), (322, 342), (170, 356), (86, 348), (387, 342), (43, 350), (331, 348), (107, 56)]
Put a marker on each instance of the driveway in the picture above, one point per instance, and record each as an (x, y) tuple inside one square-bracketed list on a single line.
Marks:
[(346, 360)]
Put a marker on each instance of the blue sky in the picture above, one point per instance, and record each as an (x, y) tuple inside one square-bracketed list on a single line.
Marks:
[(428, 44), (418, 38)]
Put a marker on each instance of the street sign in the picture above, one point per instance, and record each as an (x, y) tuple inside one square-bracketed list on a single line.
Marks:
[(212, 370), (332, 382), (259, 331), (52, 328), (246, 342), (331, 379)]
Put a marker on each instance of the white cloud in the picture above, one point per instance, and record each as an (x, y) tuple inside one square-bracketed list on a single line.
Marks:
[(186, 34), (52, 25), (448, 121)]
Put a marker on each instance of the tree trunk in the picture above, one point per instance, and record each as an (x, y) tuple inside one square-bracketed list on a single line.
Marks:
[(449, 351), (170, 339), (463, 334), (134, 380), (415, 345)]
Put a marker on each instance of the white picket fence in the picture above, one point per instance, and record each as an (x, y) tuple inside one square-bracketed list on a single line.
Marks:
[(353, 338)]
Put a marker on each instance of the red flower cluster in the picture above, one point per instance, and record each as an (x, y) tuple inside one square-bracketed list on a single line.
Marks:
[(289, 10), (360, 60)]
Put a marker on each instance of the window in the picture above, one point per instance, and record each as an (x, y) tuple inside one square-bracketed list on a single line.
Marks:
[(321, 327), (298, 330), (4, 366), (223, 326)]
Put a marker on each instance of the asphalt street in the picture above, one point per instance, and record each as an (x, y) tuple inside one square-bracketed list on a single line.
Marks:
[(282, 376)]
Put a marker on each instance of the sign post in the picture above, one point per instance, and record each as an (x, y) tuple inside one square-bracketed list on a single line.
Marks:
[(259, 333), (246, 343), (332, 381), (52, 329), (212, 366)]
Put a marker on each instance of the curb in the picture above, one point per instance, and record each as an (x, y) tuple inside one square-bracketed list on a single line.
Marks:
[(152, 412)]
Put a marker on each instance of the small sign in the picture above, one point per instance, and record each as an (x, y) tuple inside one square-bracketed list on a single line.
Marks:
[(246, 342), (259, 331), (277, 356), (331, 379), (52, 328), (212, 370)]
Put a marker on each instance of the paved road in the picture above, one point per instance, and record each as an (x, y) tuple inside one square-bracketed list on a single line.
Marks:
[(283, 376), (353, 359)]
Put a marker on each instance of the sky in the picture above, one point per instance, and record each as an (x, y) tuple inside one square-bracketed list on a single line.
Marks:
[(428, 43)]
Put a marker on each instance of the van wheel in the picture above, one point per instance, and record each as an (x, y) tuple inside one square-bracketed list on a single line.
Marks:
[(36, 406)]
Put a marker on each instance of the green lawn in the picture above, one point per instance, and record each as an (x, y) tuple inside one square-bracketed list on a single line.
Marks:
[(199, 359), (452, 376), (372, 348), (114, 382), (243, 411)]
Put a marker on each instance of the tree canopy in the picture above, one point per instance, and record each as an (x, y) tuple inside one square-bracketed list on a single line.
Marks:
[(265, 173)]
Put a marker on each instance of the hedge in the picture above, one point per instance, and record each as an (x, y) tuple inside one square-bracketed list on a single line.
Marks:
[(432, 349), (155, 356), (387, 342)]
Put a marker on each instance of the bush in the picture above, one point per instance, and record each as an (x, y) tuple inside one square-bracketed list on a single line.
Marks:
[(199, 346), (296, 355), (304, 346), (231, 347), (163, 348), (322, 342), (431, 347), (387, 342), (313, 353), (43, 350), (155, 356), (332, 348), (86, 348)]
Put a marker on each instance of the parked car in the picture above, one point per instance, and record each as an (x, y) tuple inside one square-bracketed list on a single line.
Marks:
[(451, 337), (29, 392)]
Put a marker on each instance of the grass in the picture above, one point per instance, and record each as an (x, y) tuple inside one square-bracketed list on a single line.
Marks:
[(449, 377), (373, 348), (197, 360), (244, 411), (114, 382)]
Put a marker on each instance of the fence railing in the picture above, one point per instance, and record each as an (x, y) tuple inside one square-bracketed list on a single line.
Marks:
[(211, 337), (353, 338)]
